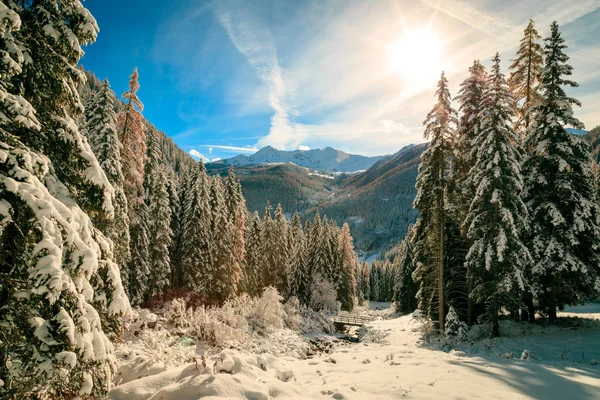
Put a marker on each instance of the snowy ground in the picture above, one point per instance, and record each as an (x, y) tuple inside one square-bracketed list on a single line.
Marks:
[(391, 362)]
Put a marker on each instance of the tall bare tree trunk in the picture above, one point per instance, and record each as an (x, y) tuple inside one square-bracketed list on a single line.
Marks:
[(441, 251), (470, 300)]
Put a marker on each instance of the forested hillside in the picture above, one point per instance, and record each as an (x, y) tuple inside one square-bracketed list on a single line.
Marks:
[(376, 203)]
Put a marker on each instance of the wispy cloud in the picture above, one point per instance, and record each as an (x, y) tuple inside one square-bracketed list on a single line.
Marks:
[(232, 149), (255, 42)]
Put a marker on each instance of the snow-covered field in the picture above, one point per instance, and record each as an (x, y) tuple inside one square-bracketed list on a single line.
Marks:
[(392, 361)]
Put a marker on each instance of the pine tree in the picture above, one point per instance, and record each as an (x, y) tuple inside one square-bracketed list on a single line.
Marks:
[(281, 250), (498, 216), (253, 266), (269, 257), (431, 189), (298, 274), (178, 225), (470, 105), (132, 131), (196, 251), (524, 79), (364, 283), (405, 288), (60, 291), (223, 274), (346, 288), (104, 140), (560, 192), (173, 184), (139, 265), (318, 250), (237, 214), (160, 233)]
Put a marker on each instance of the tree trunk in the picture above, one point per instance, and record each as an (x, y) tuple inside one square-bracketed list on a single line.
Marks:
[(469, 291), (530, 307), (495, 323), (552, 312), (441, 265)]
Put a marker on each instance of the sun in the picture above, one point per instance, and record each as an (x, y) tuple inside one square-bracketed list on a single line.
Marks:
[(417, 56)]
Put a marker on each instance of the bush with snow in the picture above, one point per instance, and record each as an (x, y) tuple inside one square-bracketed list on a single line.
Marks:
[(455, 329), (267, 312), (324, 295)]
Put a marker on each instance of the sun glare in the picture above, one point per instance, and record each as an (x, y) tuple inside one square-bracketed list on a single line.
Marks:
[(417, 56)]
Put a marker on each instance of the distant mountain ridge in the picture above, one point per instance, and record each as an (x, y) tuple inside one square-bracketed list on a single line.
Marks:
[(327, 159), (377, 203)]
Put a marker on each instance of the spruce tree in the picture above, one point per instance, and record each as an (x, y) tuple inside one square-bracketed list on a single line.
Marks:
[(462, 188), (365, 283), (268, 270), (281, 250), (405, 288), (60, 290), (173, 184), (159, 215), (524, 81), (565, 236), (237, 214), (104, 140), (223, 274), (498, 216), (196, 251), (178, 225), (254, 264), (432, 183), (298, 274), (346, 288), (139, 265)]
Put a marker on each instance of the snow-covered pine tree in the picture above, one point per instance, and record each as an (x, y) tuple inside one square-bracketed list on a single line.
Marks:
[(100, 122), (524, 80), (269, 256), (173, 183), (331, 234), (463, 159), (223, 273), (405, 289), (498, 216), (346, 288), (178, 225), (282, 252), (60, 291), (440, 125), (364, 283), (298, 273), (151, 163), (132, 131), (159, 216), (196, 250), (560, 192), (254, 264), (237, 214), (139, 264)]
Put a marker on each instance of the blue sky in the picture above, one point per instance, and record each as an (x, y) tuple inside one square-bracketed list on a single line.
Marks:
[(227, 77)]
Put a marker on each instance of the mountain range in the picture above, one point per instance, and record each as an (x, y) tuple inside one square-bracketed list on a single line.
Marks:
[(327, 159), (376, 203)]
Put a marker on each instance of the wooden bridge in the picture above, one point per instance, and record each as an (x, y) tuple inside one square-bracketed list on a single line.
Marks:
[(343, 320)]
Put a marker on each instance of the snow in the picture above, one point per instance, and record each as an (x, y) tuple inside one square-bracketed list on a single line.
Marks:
[(392, 361)]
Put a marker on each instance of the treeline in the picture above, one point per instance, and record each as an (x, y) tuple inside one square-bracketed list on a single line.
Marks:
[(193, 231), (508, 209)]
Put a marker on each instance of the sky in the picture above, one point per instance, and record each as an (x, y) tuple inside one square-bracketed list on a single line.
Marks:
[(228, 77)]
